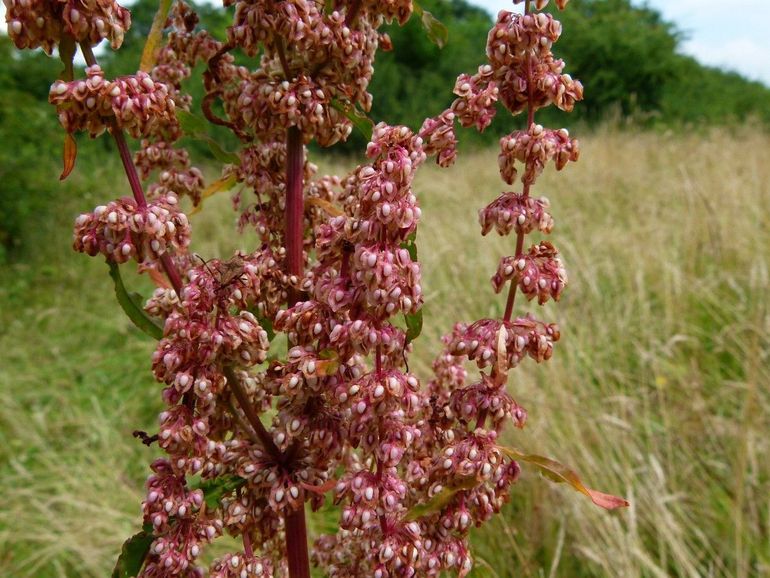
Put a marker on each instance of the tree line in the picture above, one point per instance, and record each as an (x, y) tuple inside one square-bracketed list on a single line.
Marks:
[(627, 56)]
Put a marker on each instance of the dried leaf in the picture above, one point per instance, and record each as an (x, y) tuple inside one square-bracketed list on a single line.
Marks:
[(560, 473), (150, 51), (70, 153), (319, 490), (325, 206), (502, 350), (223, 184)]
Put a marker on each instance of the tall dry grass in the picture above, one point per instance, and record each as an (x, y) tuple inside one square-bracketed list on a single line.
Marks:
[(657, 390)]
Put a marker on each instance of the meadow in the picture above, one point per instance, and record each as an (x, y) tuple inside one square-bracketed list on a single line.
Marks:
[(657, 391)]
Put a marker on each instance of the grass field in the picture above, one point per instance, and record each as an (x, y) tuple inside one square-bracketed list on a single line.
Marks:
[(658, 389)]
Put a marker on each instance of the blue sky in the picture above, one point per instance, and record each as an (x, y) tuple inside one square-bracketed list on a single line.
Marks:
[(738, 40)]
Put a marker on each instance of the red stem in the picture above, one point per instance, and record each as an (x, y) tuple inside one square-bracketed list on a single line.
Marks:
[(296, 527), (296, 542), (514, 285), (530, 121), (247, 549), (295, 210)]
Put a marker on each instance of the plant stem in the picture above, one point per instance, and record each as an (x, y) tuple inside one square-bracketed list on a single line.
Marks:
[(296, 542), (133, 178), (243, 400), (514, 285), (530, 121), (295, 210), (296, 527)]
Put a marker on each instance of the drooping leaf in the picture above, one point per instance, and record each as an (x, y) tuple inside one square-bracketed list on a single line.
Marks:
[(560, 473), (150, 51), (133, 553), (437, 31), (69, 154), (223, 184), (363, 123), (131, 307), (440, 500), (216, 489)]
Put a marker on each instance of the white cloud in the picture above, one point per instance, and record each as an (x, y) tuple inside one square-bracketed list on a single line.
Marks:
[(744, 55)]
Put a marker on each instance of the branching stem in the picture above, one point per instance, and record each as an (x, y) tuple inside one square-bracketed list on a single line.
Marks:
[(133, 178)]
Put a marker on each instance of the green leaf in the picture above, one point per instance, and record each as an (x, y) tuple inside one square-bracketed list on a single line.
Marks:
[(132, 307), (437, 31), (440, 500), (196, 127), (363, 123), (192, 124), (267, 325), (413, 320), (221, 154), (133, 553), (413, 325), (560, 473), (150, 51), (216, 489), (411, 245)]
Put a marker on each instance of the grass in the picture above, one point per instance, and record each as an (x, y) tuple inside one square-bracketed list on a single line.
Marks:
[(657, 390)]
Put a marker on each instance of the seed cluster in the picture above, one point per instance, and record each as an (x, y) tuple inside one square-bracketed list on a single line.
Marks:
[(285, 369)]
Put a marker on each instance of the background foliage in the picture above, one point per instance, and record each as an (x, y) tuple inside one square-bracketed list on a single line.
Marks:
[(626, 55)]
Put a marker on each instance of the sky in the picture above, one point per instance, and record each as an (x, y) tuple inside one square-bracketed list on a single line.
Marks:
[(738, 41)]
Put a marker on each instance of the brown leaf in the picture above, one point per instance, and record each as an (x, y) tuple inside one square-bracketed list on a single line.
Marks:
[(559, 473), (159, 279), (70, 153), (149, 54), (324, 205), (223, 184)]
